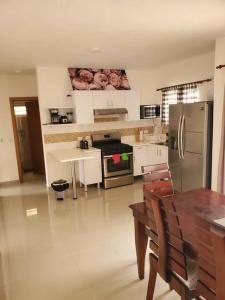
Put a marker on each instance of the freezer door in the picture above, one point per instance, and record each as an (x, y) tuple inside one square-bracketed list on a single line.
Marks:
[(175, 162), (193, 171), (194, 126), (195, 116)]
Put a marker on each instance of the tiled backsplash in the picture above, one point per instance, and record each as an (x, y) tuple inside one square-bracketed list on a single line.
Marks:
[(72, 136)]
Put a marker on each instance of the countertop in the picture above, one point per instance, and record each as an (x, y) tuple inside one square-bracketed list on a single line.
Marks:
[(146, 143), (76, 154)]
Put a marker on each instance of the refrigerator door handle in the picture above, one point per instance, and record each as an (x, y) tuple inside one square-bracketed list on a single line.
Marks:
[(179, 127), (182, 137)]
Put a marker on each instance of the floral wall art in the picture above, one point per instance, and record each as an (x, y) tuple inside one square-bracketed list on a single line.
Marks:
[(98, 79)]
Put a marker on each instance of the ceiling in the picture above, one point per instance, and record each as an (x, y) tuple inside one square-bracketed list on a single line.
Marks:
[(127, 33)]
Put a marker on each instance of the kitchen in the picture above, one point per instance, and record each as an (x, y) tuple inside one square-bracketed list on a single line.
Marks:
[(124, 106), (106, 113)]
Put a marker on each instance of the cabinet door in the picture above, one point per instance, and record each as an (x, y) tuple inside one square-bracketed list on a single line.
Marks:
[(117, 99), (162, 154), (92, 172), (139, 159), (83, 107), (151, 155), (133, 105), (100, 100)]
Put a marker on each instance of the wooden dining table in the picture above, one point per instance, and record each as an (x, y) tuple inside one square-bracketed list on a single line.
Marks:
[(191, 206)]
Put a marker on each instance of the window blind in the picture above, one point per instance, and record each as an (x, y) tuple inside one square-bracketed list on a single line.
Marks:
[(183, 94)]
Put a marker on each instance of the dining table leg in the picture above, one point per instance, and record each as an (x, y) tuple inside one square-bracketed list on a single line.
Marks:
[(141, 241), (74, 180)]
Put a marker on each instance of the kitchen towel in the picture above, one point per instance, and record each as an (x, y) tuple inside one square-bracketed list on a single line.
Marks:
[(116, 158), (124, 156)]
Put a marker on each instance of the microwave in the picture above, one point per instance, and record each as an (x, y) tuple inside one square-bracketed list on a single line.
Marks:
[(150, 111)]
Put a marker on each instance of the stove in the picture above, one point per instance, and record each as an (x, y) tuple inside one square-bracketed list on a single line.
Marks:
[(117, 160)]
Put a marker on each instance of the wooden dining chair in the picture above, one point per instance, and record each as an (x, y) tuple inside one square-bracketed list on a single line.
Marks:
[(168, 257), (211, 260), (157, 177)]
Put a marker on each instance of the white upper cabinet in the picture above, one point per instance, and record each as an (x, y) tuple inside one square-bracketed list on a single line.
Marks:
[(83, 107), (117, 99), (86, 101), (108, 99), (133, 105), (99, 100)]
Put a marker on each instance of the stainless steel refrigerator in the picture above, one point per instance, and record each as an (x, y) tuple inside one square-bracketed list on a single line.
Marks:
[(190, 145)]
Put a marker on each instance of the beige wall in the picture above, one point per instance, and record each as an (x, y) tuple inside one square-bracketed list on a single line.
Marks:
[(11, 86), (146, 82), (219, 85)]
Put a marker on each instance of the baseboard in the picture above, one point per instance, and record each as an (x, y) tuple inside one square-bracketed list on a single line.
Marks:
[(7, 183)]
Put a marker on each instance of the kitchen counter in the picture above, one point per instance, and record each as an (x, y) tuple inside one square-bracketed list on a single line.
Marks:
[(146, 143), (68, 155)]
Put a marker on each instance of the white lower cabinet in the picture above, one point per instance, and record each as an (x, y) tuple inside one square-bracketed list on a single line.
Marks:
[(162, 154), (90, 170), (148, 155)]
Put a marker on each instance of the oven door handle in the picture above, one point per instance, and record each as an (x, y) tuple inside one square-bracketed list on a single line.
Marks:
[(110, 156)]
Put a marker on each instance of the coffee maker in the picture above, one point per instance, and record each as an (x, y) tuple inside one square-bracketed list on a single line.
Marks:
[(54, 114)]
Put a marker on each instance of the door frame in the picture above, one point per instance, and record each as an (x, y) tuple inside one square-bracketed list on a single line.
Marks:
[(12, 101)]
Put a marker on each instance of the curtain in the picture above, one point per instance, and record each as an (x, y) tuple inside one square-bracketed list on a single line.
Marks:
[(187, 93), (221, 169), (168, 97)]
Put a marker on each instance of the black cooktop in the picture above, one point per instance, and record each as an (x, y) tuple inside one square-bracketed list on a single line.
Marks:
[(113, 147)]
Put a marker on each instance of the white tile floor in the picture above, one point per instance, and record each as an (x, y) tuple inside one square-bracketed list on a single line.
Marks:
[(80, 250)]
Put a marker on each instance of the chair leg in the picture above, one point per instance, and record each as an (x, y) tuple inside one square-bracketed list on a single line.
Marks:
[(152, 277), (141, 242)]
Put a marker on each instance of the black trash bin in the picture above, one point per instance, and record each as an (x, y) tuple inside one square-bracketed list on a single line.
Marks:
[(59, 186)]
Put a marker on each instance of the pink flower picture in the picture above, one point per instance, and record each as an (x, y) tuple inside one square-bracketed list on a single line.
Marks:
[(98, 79)]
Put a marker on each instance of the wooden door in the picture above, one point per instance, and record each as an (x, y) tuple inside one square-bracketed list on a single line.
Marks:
[(36, 145)]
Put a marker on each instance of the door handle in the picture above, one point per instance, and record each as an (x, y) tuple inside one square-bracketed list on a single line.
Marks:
[(178, 135), (182, 137)]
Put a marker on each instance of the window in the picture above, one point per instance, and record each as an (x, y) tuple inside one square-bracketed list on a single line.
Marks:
[(179, 94), (20, 110)]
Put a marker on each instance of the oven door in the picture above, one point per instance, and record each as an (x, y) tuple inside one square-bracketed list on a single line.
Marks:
[(115, 169)]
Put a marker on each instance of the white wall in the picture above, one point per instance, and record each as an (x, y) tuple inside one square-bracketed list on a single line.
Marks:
[(11, 86), (54, 82), (219, 85), (146, 82)]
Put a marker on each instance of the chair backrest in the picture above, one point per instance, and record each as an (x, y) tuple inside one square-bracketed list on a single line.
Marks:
[(170, 245), (211, 259), (157, 177)]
